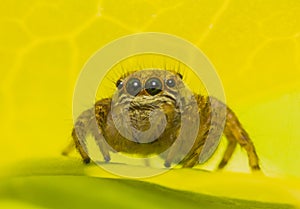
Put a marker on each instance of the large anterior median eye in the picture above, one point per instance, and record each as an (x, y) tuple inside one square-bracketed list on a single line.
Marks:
[(153, 86), (133, 86)]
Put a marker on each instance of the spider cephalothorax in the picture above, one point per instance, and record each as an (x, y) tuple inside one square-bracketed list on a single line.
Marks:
[(153, 112)]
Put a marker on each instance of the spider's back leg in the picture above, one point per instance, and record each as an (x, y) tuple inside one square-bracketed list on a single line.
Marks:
[(235, 133), (69, 148), (232, 142)]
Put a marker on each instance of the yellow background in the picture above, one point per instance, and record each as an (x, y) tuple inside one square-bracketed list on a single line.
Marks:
[(254, 46)]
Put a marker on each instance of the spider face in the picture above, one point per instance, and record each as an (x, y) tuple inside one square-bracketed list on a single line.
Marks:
[(146, 103)]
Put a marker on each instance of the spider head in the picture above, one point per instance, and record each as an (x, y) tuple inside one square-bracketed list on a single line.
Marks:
[(147, 100)]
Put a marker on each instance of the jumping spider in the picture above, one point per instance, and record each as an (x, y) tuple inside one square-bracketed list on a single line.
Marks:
[(142, 92)]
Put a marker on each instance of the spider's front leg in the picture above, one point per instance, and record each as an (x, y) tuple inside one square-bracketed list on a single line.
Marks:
[(89, 122), (210, 130), (212, 117), (102, 108), (80, 132)]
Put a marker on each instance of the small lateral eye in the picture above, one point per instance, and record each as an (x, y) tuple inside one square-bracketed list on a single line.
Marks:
[(133, 86), (119, 84), (170, 82)]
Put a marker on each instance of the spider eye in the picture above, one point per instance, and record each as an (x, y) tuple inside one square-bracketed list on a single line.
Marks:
[(180, 76), (170, 82), (133, 86), (153, 86), (119, 84)]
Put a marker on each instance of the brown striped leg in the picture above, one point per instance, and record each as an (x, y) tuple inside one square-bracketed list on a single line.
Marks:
[(81, 146), (228, 152), (234, 131)]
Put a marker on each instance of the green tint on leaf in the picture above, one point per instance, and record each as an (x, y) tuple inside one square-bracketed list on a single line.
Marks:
[(67, 183), (61, 192)]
